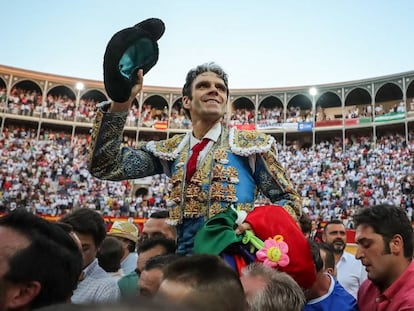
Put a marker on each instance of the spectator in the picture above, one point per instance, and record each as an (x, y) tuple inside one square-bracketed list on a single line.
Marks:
[(95, 284), (39, 262), (152, 274), (148, 249), (350, 272), (384, 236), (305, 224), (204, 283), (127, 234), (154, 247), (267, 289), (326, 293), (328, 258), (109, 257), (156, 226)]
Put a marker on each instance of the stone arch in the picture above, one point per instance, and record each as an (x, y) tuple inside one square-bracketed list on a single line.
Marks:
[(410, 98), (178, 118), (154, 112), (328, 107), (25, 98), (388, 98), (86, 108), (242, 112), (60, 103), (358, 103), (299, 109)]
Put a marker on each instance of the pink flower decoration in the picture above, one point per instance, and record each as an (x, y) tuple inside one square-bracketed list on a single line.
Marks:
[(274, 252)]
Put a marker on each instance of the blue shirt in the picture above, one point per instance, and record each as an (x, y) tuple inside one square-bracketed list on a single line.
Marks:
[(129, 264), (337, 298)]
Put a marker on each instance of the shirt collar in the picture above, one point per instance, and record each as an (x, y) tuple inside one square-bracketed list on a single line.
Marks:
[(345, 256), (213, 134), (90, 267)]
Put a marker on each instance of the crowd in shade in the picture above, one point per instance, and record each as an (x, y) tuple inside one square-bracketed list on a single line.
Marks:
[(29, 102), (21, 101), (55, 106), (49, 175)]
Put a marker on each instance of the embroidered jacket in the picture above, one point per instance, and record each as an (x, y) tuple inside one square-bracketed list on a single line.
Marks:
[(225, 178)]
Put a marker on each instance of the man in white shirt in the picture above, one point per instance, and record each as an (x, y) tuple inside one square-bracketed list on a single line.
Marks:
[(350, 272)]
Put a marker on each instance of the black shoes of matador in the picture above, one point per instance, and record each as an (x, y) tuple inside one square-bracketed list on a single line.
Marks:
[(128, 51)]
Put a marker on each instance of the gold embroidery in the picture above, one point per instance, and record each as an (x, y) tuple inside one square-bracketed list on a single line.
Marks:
[(232, 175), (291, 212), (197, 178), (174, 213), (230, 192), (192, 209), (220, 156), (244, 206), (248, 139), (193, 190), (169, 145), (215, 208), (176, 194), (270, 160), (217, 191), (218, 172), (177, 176)]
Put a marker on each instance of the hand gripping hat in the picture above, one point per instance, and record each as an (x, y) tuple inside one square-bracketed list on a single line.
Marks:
[(124, 229), (128, 51)]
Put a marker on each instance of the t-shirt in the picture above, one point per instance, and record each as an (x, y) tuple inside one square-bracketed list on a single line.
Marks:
[(337, 298)]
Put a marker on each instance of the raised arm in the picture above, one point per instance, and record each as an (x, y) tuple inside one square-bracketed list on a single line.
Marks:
[(129, 54)]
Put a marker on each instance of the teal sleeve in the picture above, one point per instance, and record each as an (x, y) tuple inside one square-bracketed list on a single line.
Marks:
[(128, 285)]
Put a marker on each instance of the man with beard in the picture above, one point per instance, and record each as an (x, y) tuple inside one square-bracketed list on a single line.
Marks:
[(350, 272)]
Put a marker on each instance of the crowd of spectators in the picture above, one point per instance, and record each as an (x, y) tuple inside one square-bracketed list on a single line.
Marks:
[(59, 107), (151, 114), (49, 175), (334, 183), (133, 115), (86, 110), (3, 98), (178, 119), (22, 101), (241, 116), (274, 114)]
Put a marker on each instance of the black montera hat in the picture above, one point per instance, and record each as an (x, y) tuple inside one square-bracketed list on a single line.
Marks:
[(128, 51)]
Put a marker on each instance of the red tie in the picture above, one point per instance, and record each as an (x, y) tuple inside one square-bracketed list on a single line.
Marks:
[(192, 161)]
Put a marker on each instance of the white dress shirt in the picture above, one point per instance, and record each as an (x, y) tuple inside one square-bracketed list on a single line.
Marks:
[(350, 273)]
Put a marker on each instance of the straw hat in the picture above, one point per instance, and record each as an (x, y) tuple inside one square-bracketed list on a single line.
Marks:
[(124, 229)]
